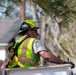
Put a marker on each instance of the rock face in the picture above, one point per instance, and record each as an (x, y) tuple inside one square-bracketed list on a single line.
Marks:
[(60, 41)]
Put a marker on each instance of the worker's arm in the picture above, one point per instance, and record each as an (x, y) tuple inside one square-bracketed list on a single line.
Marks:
[(40, 49), (3, 66), (4, 63), (50, 57), (0, 71), (53, 59)]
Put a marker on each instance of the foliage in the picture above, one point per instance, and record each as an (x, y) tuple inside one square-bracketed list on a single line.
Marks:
[(64, 9), (59, 9), (8, 6)]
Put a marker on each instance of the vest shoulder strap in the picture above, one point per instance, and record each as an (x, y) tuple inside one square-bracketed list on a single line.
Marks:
[(14, 48), (18, 44)]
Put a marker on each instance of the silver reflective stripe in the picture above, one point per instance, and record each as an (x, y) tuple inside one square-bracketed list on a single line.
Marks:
[(24, 47), (23, 60)]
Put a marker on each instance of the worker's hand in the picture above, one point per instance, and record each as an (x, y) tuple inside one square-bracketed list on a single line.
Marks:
[(72, 64)]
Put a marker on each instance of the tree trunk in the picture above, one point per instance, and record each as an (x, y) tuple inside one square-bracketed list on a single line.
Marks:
[(23, 10)]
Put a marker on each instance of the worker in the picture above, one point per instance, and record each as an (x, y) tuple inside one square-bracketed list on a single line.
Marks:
[(31, 48)]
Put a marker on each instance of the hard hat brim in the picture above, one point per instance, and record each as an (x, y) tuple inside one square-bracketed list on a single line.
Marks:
[(21, 31), (35, 28)]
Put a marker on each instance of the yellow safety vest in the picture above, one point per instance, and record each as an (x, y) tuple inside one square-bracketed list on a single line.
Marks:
[(25, 54)]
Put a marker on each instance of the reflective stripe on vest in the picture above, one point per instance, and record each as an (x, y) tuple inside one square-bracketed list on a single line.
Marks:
[(27, 60)]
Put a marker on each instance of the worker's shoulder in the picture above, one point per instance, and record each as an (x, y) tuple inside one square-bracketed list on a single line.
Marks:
[(38, 42)]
